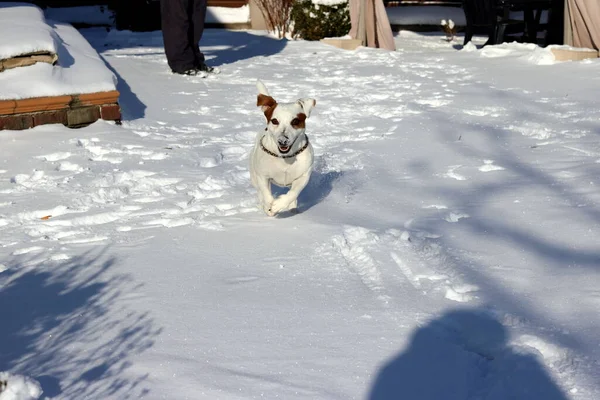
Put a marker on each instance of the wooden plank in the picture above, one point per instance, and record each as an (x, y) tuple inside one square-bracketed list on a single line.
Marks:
[(573, 54), (346, 44)]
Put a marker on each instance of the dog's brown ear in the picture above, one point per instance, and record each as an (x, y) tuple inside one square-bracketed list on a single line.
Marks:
[(265, 102)]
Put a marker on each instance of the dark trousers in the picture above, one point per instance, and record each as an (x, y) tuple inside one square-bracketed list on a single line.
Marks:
[(182, 26)]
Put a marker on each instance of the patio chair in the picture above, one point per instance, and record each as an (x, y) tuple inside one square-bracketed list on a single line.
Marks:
[(552, 26), (484, 16)]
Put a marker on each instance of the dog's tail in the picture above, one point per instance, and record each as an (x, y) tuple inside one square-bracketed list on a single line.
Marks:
[(262, 89)]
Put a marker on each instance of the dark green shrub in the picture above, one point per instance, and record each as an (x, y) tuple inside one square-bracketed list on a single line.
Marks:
[(317, 21)]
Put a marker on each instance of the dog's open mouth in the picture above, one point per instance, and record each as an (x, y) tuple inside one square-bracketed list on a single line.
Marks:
[(284, 149)]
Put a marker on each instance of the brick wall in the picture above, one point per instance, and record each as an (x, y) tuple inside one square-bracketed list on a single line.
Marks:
[(73, 118)]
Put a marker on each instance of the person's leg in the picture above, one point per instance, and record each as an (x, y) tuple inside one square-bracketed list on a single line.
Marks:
[(175, 27), (198, 15)]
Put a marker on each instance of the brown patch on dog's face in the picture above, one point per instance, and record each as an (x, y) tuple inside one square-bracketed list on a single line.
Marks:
[(299, 122), (269, 112), (267, 104)]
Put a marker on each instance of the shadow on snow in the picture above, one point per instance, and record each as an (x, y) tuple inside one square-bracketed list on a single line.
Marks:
[(66, 326), (463, 355), (220, 46)]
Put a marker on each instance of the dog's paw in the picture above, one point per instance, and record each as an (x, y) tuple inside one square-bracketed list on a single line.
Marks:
[(266, 208), (278, 205)]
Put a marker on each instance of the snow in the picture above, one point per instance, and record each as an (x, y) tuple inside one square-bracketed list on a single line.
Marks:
[(529, 52), (25, 22), (79, 70), (17, 387), (450, 23), (228, 15), (425, 15), (446, 248), (329, 2)]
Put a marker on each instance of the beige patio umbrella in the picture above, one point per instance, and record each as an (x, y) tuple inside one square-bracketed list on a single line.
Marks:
[(370, 24), (582, 23)]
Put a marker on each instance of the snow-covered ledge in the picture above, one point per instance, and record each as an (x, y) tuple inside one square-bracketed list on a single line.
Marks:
[(76, 90)]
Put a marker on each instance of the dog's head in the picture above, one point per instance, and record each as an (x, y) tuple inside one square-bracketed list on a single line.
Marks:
[(286, 122)]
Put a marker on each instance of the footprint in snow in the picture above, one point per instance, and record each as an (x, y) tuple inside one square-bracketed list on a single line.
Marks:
[(435, 103), (461, 293), (55, 156), (455, 217), (241, 279), (211, 162), (27, 250), (453, 174), (488, 165), (69, 167)]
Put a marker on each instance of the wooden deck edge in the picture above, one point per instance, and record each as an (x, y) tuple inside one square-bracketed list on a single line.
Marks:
[(574, 54), (346, 44), (229, 25), (54, 103)]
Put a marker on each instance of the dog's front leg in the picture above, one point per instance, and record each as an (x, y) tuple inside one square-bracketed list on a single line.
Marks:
[(284, 201), (263, 185)]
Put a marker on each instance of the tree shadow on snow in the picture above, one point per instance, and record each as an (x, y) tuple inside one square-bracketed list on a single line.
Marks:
[(65, 325), (463, 355), (526, 173), (522, 171), (220, 47), (223, 47)]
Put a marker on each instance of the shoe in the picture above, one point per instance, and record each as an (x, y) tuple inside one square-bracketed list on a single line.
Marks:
[(189, 72), (201, 70), (209, 70)]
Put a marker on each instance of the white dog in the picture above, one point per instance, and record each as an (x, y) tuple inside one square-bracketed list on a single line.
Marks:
[(282, 153)]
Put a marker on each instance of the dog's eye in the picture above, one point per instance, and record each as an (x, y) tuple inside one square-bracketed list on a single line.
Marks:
[(295, 122), (274, 121)]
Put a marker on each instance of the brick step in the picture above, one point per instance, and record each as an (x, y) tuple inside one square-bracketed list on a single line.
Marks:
[(71, 110)]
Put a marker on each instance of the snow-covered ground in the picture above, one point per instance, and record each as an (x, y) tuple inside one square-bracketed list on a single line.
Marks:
[(447, 245), (17, 387)]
